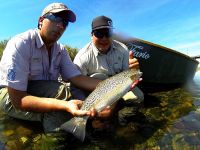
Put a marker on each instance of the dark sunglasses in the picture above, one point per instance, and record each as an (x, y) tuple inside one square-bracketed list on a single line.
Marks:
[(56, 19), (100, 34)]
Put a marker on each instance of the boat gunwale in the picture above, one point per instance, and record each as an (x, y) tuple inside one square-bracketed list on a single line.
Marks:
[(127, 40)]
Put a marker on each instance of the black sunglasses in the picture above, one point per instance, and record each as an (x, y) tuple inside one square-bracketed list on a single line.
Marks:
[(100, 34), (57, 19)]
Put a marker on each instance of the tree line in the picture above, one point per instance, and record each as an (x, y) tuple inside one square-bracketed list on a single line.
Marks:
[(2, 46), (72, 51)]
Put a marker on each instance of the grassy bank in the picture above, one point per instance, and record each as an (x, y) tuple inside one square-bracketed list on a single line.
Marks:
[(1, 51), (2, 46)]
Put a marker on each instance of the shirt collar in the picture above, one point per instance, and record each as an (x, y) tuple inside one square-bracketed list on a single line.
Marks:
[(95, 50), (39, 41), (114, 47)]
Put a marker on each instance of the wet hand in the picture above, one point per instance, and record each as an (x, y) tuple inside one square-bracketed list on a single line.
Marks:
[(73, 106), (107, 112), (103, 114), (133, 62), (101, 120)]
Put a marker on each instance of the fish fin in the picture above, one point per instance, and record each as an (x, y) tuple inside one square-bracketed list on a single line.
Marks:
[(76, 126)]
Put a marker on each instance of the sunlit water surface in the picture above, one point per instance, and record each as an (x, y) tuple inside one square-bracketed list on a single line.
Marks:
[(168, 120)]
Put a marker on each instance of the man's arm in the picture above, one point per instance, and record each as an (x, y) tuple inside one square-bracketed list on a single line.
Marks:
[(21, 100), (85, 82)]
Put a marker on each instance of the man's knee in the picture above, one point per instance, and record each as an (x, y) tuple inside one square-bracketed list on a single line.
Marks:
[(53, 120), (135, 96), (101, 76), (3, 93)]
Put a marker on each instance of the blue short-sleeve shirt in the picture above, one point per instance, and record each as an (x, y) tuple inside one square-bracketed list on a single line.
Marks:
[(26, 58)]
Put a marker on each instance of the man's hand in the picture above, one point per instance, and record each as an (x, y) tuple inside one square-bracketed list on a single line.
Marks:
[(133, 62), (106, 112), (102, 119), (73, 106)]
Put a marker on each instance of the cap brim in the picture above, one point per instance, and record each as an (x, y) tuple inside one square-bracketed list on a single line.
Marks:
[(103, 27), (70, 14)]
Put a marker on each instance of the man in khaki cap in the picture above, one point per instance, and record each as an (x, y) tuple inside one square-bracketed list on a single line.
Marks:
[(59, 7), (30, 67)]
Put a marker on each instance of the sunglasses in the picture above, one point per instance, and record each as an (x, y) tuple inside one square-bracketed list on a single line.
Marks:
[(100, 34), (57, 19)]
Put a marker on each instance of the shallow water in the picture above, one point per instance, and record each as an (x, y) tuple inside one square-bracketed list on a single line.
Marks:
[(168, 120)]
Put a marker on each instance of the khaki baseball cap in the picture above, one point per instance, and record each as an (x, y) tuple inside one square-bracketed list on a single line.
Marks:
[(59, 7)]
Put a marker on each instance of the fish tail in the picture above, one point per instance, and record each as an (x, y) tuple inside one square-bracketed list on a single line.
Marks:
[(76, 126)]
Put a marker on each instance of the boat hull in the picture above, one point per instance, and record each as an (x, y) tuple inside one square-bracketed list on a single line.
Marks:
[(162, 68)]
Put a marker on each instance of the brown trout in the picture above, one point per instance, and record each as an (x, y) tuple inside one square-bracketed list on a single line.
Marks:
[(106, 93)]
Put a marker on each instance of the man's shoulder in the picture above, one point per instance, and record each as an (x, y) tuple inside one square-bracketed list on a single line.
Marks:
[(86, 50), (25, 37), (28, 34), (22, 39), (84, 54)]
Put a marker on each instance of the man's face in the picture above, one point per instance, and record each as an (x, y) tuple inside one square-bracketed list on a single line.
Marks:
[(102, 39), (52, 27)]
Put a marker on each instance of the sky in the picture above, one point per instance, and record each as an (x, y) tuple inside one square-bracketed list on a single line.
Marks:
[(171, 23)]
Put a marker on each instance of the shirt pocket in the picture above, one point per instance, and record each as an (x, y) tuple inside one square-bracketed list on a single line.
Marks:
[(36, 67)]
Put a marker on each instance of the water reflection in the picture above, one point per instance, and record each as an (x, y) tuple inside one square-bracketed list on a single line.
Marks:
[(168, 120), (184, 132)]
